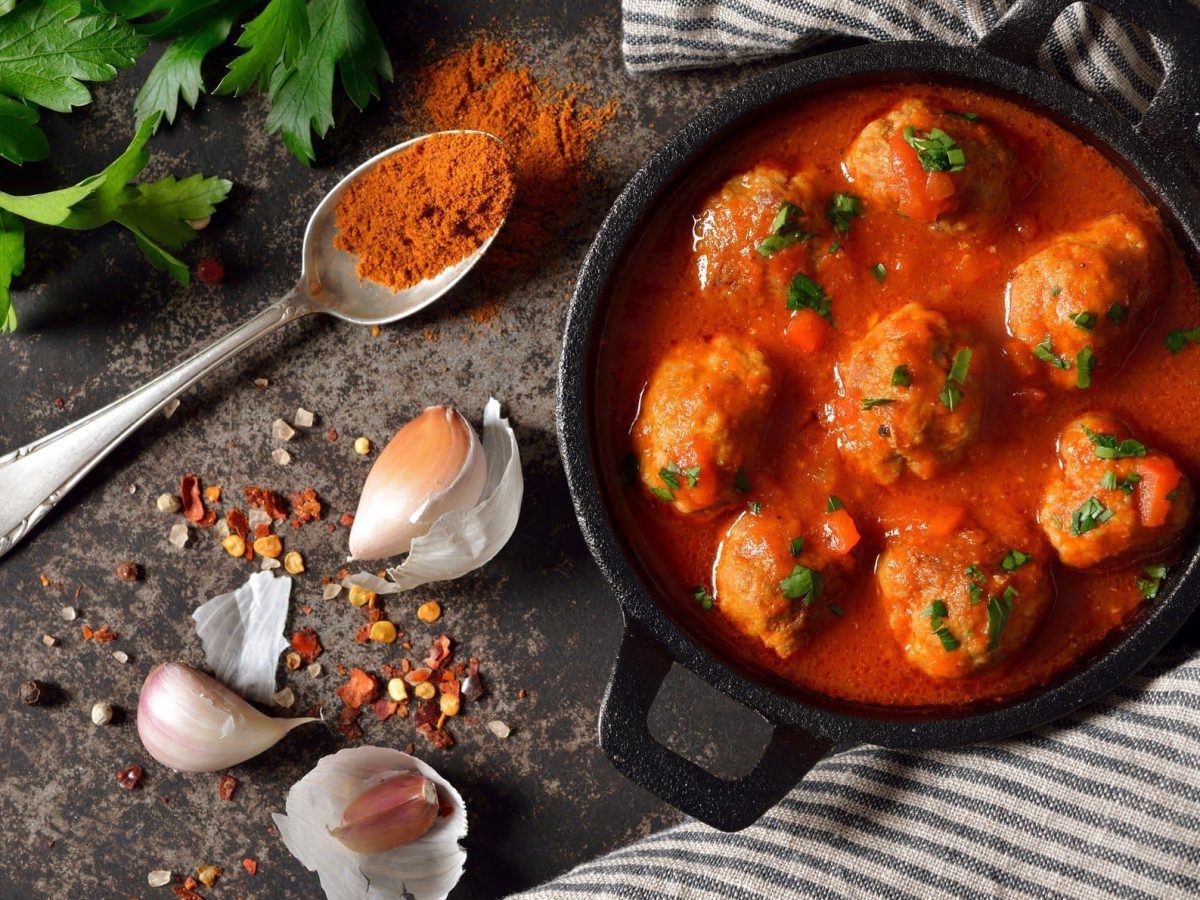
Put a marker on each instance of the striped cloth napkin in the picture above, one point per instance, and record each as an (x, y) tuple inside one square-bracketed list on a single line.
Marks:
[(1105, 803)]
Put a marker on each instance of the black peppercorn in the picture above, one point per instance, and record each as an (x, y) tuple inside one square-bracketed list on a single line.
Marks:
[(33, 693)]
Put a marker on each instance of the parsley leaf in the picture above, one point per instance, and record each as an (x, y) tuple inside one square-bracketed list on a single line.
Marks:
[(998, 611), (1045, 352), (701, 595), (1014, 559), (1092, 514), (879, 272), (843, 209), (1177, 340), (1108, 447), (12, 261), (803, 584), (901, 377), (1084, 320), (835, 503), (1117, 313), (1148, 586), (1085, 362), (936, 150), (872, 402), (48, 48), (279, 33), (796, 546), (177, 75), (342, 36), (804, 293), (952, 394), (784, 230), (741, 481)]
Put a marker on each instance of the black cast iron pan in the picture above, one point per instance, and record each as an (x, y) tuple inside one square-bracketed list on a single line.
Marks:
[(1158, 155)]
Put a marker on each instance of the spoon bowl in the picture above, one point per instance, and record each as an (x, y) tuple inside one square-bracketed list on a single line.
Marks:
[(328, 274), (35, 477)]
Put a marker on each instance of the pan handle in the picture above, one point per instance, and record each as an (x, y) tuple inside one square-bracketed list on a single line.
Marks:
[(728, 804), (1172, 115)]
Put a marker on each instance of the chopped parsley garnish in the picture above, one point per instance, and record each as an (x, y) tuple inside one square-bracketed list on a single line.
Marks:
[(952, 394), (834, 247), (702, 596), (1177, 340), (879, 272), (1129, 482), (1117, 313), (629, 469), (969, 116), (1108, 447), (843, 208), (1084, 320), (1092, 514), (741, 481), (785, 230), (1085, 362), (998, 611), (1109, 481), (978, 581), (803, 584), (1014, 559), (663, 494), (796, 545), (754, 507), (937, 615), (1055, 291), (936, 150), (901, 377), (670, 476), (834, 504), (872, 402), (804, 293), (1148, 586), (1045, 352)]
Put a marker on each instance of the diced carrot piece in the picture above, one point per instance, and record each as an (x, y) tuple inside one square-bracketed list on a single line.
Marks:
[(1160, 476), (841, 534), (806, 330), (923, 196), (943, 521), (939, 186)]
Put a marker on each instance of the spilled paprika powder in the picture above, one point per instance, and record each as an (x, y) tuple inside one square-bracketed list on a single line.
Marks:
[(425, 208)]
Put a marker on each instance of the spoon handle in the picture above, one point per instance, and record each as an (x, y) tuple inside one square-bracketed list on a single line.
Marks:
[(35, 477)]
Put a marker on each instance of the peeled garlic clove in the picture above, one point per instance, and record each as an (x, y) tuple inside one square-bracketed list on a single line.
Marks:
[(193, 723), (434, 465), (389, 815)]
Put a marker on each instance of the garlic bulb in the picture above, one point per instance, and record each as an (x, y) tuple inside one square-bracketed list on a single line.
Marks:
[(391, 814), (434, 465), (193, 723)]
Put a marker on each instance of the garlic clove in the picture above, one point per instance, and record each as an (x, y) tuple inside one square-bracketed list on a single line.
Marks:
[(389, 815), (192, 723), (434, 465)]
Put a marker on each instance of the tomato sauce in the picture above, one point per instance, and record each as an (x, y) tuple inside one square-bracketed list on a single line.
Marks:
[(657, 302)]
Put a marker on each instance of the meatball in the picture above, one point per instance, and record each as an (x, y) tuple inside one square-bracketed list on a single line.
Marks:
[(1078, 303), (961, 603), (910, 397), (775, 577), (739, 217), (1113, 499), (702, 418), (958, 176)]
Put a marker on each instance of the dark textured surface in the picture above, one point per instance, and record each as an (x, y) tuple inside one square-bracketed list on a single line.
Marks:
[(96, 321)]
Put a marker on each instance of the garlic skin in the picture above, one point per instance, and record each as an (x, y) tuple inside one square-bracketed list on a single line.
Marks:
[(192, 723), (434, 465), (391, 814)]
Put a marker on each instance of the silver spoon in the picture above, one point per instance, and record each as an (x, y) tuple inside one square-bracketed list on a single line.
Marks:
[(35, 477)]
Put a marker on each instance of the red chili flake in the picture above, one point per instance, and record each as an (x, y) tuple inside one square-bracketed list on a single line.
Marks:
[(419, 675), (261, 530), (347, 520), (226, 786), (306, 506), (342, 574), (307, 644), (426, 714), (249, 865), (361, 688), (209, 519), (268, 501), (521, 693), (210, 271), (439, 652), (186, 893), (452, 687), (388, 671), (384, 709), (331, 435), (237, 522), (130, 778), (87, 632), (105, 634), (190, 883), (330, 528), (405, 666), (189, 492), (410, 748), (440, 739), (348, 724), (58, 402), (306, 609)]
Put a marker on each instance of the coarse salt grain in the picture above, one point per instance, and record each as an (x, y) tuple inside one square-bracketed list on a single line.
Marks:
[(257, 516), (169, 407), (133, 489), (69, 613), (222, 529), (121, 656), (284, 698), (282, 431), (49, 640), (167, 503), (331, 590), (268, 563), (179, 534), (304, 418), (159, 878), (261, 383), (281, 456), (314, 669), (498, 728), (102, 713)]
